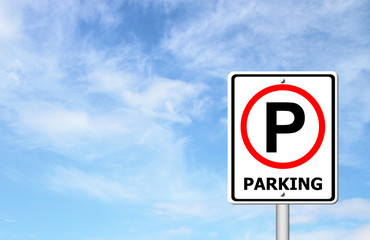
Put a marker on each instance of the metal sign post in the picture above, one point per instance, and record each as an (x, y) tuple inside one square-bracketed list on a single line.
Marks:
[(282, 222)]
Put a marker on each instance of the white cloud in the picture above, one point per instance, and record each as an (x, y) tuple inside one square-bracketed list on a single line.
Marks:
[(213, 234), (319, 235), (73, 100), (158, 97), (322, 233), (169, 99), (151, 168), (10, 22), (355, 209), (8, 220), (65, 130), (100, 107), (54, 121), (258, 236), (256, 35), (179, 210), (354, 92), (179, 231), (359, 233), (265, 35), (96, 185), (198, 41), (209, 205)]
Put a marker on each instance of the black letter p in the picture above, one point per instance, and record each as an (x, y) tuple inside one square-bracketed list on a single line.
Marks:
[(272, 129)]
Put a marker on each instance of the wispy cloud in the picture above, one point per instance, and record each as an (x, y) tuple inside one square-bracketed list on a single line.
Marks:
[(354, 209), (179, 210), (179, 231), (248, 35), (8, 220), (103, 107), (158, 97), (10, 23), (63, 97), (319, 234), (360, 233), (94, 184)]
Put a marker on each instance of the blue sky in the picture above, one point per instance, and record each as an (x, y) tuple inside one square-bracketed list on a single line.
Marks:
[(113, 119)]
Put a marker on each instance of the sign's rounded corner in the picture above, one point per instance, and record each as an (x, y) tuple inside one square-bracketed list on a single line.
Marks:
[(334, 74), (232, 200), (334, 199), (232, 75)]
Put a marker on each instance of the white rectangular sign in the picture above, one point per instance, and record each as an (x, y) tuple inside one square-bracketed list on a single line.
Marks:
[(282, 142)]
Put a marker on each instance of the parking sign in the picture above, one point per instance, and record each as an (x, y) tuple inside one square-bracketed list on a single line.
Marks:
[(282, 138)]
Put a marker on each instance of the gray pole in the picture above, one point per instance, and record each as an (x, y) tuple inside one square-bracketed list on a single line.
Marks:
[(282, 222)]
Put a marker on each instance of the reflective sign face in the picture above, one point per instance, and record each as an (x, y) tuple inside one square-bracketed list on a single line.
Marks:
[(282, 137)]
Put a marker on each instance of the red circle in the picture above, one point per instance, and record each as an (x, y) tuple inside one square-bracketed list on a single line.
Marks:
[(299, 161)]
